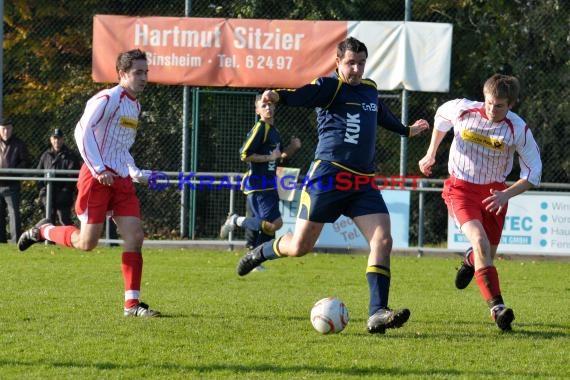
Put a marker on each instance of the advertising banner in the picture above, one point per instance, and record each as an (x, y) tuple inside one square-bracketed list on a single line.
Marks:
[(344, 234), (271, 53), (535, 224), (286, 182)]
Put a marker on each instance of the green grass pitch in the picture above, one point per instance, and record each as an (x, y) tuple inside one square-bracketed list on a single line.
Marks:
[(61, 318)]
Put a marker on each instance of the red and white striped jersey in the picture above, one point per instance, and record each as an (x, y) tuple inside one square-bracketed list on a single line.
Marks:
[(482, 151), (107, 130)]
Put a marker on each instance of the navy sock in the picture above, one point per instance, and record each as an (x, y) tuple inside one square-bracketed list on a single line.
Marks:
[(262, 237), (252, 223), (269, 249), (378, 278), (251, 237)]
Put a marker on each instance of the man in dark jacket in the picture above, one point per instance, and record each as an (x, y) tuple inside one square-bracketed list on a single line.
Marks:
[(59, 156), (13, 154)]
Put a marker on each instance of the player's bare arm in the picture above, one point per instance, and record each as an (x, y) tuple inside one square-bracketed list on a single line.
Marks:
[(260, 158), (427, 162), (292, 148)]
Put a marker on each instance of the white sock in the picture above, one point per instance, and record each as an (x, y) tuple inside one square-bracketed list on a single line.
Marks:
[(132, 294), (47, 230)]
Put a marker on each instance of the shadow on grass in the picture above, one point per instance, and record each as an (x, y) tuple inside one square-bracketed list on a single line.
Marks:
[(459, 330), (271, 369), (540, 331), (454, 330)]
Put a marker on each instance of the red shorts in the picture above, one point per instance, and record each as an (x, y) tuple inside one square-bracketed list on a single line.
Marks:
[(464, 202), (95, 200)]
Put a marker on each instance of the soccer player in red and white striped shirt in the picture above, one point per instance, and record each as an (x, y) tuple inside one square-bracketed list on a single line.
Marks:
[(104, 136), (486, 136)]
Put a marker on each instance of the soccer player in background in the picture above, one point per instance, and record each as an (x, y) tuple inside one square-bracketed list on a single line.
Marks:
[(486, 136), (262, 151), (104, 136), (253, 237), (348, 113)]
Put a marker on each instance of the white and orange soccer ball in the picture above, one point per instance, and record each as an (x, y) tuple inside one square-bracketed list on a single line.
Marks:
[(329, 315)]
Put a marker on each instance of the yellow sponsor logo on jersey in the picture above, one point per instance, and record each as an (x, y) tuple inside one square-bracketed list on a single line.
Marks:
[(128, 122), (485, 141)]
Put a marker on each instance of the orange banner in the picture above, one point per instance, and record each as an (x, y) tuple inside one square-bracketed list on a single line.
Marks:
[(219, 52)]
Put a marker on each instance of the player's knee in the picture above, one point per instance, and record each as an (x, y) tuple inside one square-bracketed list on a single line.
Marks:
[(86, 245), (383, 244), (272, 227), (133, 243), (278, 224), (138, 236)]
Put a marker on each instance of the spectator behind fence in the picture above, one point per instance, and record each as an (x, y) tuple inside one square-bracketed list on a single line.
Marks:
[(58, 156), (13, 154)]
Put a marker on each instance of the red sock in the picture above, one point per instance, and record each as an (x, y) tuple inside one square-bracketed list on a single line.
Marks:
[(488, 282), (132, 263), (58, 234)]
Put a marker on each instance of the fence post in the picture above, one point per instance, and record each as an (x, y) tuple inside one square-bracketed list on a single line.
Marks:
[(49, 194), (184, 230), (194, 157), (231, 210), (421, 218), (49, 197), (405, 107)]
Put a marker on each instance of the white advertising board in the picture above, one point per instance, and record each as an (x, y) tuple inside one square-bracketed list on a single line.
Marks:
[(344, 234), (535, 223)]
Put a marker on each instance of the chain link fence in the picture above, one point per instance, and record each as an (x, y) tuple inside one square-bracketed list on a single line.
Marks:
[(46, 82)]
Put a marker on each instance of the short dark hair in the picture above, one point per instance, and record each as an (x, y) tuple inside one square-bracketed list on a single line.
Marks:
[(350, 44), (5, 121), (125, 59)]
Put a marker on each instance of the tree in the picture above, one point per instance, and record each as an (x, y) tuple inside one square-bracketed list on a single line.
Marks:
[(47, 74)]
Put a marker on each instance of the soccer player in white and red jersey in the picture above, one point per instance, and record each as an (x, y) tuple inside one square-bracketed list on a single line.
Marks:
[(104, 136), (486, 136)]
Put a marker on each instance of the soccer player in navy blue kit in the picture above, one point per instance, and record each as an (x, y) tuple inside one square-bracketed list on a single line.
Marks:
[(348, 113), (262, 150)]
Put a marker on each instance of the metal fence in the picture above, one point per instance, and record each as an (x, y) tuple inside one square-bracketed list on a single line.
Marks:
[(231, 200), (46, 82)]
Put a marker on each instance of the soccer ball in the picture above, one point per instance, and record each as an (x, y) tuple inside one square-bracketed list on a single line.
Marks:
[(329, 316)]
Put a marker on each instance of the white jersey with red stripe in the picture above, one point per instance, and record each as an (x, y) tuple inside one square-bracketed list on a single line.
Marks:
[(482, 151), (107, 130)]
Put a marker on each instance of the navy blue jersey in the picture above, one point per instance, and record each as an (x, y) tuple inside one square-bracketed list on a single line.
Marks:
[(347, 118), (263, 139)]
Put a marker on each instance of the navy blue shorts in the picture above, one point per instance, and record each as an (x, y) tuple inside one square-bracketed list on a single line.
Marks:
[(330, 191), (264, 205)]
